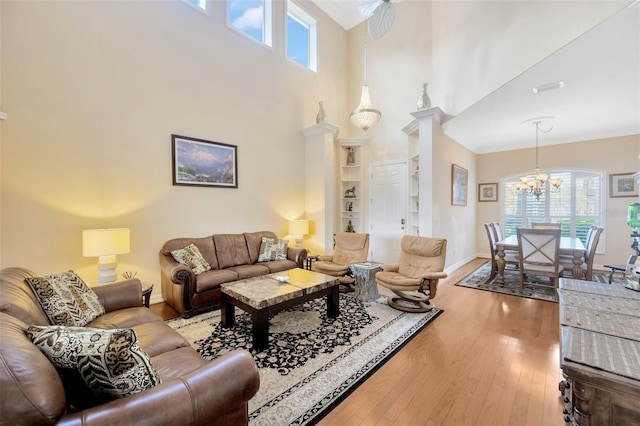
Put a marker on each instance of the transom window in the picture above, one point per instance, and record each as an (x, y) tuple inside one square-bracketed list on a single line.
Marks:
[(301, 36), (576, 206), (200, 4), (252, 17)]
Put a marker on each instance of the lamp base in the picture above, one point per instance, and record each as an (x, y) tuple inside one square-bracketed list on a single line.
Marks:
[(299, 243), (107, 266)]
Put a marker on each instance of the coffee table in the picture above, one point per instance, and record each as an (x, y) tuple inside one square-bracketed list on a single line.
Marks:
[(265, 295)]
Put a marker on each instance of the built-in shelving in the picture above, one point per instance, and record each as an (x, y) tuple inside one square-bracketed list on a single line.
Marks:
[(351, 187)]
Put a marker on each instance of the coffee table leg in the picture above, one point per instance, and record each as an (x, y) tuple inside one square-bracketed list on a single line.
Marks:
[(260, 329), (227, 312), (333, 302)]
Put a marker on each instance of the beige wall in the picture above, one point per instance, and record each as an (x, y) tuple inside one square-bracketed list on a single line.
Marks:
[(94, 91), (616, 155)]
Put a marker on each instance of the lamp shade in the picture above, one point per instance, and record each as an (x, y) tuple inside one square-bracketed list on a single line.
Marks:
[(298, 227), (103, 242)]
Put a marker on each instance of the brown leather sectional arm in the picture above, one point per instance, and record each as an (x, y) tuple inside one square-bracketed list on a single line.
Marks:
[(120, 295), (209, 395)]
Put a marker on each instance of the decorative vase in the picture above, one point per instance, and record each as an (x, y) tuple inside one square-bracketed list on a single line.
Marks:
[(424, 101), (322, 116)]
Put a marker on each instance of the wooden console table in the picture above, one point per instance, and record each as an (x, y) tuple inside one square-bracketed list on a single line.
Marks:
[(599, 353)]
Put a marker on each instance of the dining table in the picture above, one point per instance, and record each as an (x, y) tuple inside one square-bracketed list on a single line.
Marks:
[(569, 246)]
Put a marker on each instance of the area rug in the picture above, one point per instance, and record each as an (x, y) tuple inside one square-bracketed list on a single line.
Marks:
[(313, 362), (479, 279)]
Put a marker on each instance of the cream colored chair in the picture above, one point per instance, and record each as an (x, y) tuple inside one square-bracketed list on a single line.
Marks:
[(538, 251), (420, 266), (593, 237), (348, 248)]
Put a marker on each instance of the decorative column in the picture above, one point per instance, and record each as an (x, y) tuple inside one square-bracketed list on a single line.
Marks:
[(320, 184), (422, 132)]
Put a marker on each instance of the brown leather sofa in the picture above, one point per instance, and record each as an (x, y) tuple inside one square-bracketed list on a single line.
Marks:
[(232, 257), (192, 390)]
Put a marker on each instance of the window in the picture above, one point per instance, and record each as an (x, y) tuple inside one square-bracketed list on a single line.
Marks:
[(200, 4), (252, 17), (577, 205), (301, 37)]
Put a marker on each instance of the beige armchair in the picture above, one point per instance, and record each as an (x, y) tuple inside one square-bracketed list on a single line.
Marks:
[(419, 269), (348, 248)]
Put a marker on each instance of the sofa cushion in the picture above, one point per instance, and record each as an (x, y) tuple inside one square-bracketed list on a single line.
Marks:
[(110, 362), (231, 250), (204, 244), (66, 299), (254, 240), (191, 257), (124, 318), (177, 363), (271, 249), (32, 391), (250, 271), (280, 265)]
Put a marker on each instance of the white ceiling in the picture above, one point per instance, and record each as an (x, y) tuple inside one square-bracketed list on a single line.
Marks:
[(600, 99)]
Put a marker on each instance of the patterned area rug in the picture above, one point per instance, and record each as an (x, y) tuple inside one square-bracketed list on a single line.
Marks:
[(480, 280), (313, 362)]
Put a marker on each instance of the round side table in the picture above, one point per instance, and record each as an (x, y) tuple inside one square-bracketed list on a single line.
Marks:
[(146, 293)]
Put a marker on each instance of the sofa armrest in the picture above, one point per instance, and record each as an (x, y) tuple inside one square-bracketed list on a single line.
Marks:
[(120, 295), (174, 271), (216, 393), (297, 255), (325, 257)]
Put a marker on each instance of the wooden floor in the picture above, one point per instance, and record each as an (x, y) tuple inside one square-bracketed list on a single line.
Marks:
[(489, 359)]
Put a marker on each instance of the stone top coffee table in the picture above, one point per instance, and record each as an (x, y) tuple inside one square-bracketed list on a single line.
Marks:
[(265, 295)]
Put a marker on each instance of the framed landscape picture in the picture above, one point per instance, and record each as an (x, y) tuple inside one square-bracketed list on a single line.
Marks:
[(622, 185), (487, 192), (459, 179), (197, 162)]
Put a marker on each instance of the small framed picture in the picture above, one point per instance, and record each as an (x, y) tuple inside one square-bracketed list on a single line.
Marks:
[(487, 192), (622, 185), (197, 162), (459, 180)]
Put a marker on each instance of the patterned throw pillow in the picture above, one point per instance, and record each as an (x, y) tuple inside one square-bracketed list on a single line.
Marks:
[(110, 362), (191, 257), (66, 299), (271, 249)]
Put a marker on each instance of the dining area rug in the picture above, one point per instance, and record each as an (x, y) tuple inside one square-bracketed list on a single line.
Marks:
[(479, 280), (313, 362)]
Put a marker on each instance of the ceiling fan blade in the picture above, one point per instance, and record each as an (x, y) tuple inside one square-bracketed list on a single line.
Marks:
[(367, 7), (381, 20)]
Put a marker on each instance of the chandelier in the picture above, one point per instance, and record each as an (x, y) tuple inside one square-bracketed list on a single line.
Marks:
[(365, 116), (536, 184)]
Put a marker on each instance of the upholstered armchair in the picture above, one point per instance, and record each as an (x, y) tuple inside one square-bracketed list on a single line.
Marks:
[(348, 248), (419, 268)]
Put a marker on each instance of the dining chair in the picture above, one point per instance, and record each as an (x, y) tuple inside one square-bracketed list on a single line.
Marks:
[(497, 231), (539, 254), (542, 225), (509, 258), (593, 237)]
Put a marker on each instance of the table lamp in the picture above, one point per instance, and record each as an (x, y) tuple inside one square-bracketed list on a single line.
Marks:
[(105, 244), (298, 228)]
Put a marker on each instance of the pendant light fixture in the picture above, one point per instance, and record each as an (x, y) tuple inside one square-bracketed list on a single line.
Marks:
[(536, 184), (365, 115)]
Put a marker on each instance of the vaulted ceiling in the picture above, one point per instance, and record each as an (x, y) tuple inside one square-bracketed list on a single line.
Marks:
[(600, 98)]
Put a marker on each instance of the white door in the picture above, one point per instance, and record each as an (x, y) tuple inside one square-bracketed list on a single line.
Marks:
[(387, 211)]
